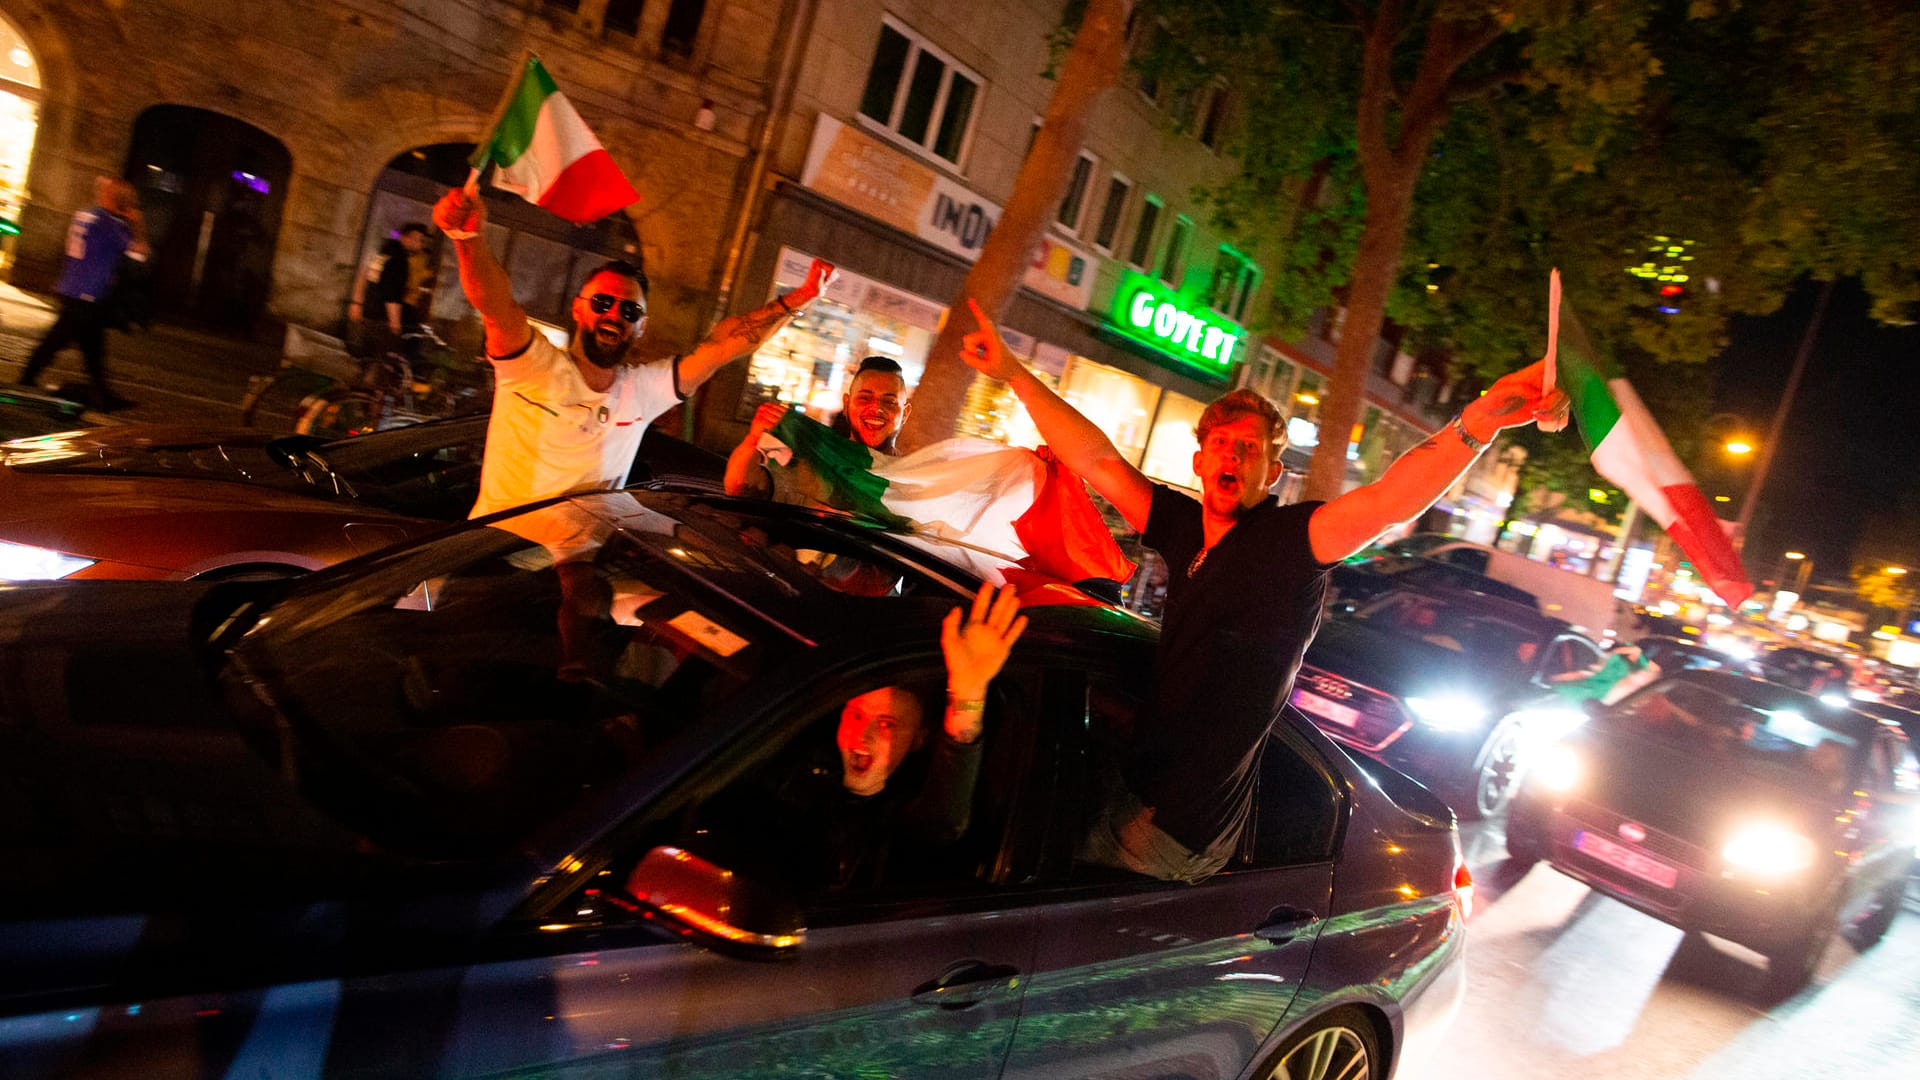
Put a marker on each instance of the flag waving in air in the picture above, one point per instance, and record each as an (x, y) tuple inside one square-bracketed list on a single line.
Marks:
[(1018, 503), (545, 153), (1630, 450)]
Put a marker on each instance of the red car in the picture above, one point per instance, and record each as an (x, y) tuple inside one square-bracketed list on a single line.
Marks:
[(149, 501)]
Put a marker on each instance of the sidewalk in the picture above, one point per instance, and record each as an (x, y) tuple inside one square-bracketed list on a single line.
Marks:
[(173, 374)]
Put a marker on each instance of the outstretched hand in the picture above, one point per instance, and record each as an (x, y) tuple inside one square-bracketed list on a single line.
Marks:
[(1517, 398), (766, 418), (976, 649), (819, 275), (460, 214), (982, 349)]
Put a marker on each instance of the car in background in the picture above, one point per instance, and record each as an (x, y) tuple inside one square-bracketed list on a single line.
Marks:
[(1729, 806), (152, 501), (25, 412), (1452, 689), (1802, 668), (362, 823), (1673, 654), (1354, 584)]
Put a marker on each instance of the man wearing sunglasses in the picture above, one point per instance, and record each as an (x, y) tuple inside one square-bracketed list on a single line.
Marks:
[(571, 419)]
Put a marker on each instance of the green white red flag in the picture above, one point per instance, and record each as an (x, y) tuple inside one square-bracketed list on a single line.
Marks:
[(546, 154), (1021, 504), (1630, 450)]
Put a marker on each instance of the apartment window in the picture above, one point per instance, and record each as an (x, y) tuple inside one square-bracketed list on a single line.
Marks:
[(1234, 279), (1076, 200), (623, 17), (1213, 118), (1142, 253), (682, 27), (920, 93), (1117, 190), (1174, 266)]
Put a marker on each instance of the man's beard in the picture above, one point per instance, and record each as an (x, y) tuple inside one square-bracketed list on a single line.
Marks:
[(602, 356)]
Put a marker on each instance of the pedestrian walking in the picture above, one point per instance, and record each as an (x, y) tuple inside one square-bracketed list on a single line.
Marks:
[(97, 238)]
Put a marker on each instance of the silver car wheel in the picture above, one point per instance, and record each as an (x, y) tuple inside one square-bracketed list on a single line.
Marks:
[(1333, 1053)]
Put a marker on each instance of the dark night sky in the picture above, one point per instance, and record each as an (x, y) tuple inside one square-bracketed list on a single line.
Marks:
[(1851, 446)]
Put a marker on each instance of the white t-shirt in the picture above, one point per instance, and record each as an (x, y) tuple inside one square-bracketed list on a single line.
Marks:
[(551, 434)]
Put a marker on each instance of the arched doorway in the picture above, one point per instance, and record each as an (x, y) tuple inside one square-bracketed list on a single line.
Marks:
[(19, 123), (212, 188), (544, 255)]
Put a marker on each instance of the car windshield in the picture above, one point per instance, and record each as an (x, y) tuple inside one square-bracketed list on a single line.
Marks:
[(428, 470), (1435, 623), (455, 695), (1795, 739)]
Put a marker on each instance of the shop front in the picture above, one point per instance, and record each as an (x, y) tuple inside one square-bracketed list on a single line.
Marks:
[(903, 235)]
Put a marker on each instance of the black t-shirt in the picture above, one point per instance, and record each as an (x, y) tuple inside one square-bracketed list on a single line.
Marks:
[(388, 275), (1230, 643)]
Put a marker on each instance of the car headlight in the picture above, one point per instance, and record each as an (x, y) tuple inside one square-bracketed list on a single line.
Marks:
[(1448, 712), (21, 562), (1769, 849), (1558, 768), (1833, 700)]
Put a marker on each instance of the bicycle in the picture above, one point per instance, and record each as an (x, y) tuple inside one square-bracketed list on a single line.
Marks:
[(338, 394)]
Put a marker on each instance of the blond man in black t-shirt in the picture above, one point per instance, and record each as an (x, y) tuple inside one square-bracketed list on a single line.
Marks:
[(1246, 585)]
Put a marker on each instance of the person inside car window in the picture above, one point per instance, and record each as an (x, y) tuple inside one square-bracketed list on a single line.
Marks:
[(826, 823), (871, 412)]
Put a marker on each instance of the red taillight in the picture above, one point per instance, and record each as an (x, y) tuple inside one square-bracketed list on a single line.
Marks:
[(1463, 890)]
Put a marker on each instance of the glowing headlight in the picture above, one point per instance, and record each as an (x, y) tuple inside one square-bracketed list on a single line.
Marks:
[(18, 562), (1833, 701), (1448, 713), (1557, 769), (1769, 849)]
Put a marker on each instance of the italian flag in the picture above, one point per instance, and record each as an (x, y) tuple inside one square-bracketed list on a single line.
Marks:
[(1020, 504), (546, 154), (1629, 449)]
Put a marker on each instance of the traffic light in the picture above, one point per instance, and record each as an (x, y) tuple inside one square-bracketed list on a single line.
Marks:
[(1670, 295)]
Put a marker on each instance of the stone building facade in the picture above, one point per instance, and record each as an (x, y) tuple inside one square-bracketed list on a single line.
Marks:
[(323, 96)]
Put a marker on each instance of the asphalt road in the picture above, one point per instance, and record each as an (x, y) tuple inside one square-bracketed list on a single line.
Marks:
[(1567, 984)]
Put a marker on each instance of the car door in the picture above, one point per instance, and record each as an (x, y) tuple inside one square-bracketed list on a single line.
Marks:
[(914, 969), (1139, 977)]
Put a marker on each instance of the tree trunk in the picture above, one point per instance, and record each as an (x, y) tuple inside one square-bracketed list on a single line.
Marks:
[(1389, 207), (1092, 65)]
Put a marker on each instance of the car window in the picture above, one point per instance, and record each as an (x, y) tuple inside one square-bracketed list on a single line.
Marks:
[(1572, 657), (867, 801), (1465, 558), (1789, 741), (452, 700), (1441, 625)]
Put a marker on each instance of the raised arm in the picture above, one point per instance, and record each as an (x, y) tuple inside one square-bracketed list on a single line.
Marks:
[(1424, 473), (1073, 438), (737, 335), (745, 475), (463, 217)]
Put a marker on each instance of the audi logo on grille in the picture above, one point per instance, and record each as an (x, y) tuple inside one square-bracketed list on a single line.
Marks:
[(1633, 832), (1327, 686)]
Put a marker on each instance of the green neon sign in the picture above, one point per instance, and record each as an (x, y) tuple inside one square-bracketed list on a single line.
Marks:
[(1151, 313)]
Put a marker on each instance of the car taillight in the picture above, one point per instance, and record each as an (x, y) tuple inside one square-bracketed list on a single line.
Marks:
[(1463, 890)]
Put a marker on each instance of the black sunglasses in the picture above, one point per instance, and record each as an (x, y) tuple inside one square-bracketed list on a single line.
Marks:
[(601, 303)]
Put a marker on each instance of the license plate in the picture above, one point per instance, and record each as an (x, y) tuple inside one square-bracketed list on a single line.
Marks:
[(1326, 709), (1620, 857)]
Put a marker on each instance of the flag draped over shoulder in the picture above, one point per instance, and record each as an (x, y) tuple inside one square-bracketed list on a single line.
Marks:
[(1630, 450), (546, 154), (1019, 503)]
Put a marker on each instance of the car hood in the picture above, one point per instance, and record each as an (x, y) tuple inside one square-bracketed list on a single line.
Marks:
[(1400, 666), (1683, 793)]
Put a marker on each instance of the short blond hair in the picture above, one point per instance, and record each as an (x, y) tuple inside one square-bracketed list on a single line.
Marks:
[(1235, 404)]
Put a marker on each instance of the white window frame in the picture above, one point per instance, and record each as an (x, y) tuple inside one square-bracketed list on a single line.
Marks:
[(1146, 264), (1086, 196), (1120, 223), (918, 43)]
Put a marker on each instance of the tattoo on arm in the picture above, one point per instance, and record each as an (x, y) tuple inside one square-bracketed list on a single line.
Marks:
[(758, 323), (1506, 403)]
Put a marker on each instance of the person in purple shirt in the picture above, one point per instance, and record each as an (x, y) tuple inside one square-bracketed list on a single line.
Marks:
[(97, 238)]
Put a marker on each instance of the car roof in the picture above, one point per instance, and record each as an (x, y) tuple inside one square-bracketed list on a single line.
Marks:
[(1488, 604)]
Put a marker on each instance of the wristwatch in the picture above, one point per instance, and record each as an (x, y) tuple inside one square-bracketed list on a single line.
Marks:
[(1458, 424)]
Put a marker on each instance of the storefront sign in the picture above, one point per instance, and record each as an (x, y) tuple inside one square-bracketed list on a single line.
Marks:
[(1180, 327), (862, 171)]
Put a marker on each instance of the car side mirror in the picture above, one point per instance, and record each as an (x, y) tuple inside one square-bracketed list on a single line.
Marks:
[(721, 908)]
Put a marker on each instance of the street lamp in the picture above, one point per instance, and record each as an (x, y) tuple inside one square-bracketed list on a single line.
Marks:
[(1896, 571), (1738, 447)]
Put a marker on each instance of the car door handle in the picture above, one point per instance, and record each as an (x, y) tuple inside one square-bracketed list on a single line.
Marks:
[(964, 984), (1283, 924)]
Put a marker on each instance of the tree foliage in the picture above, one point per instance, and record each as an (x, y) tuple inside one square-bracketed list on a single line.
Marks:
[(1744, 143)]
